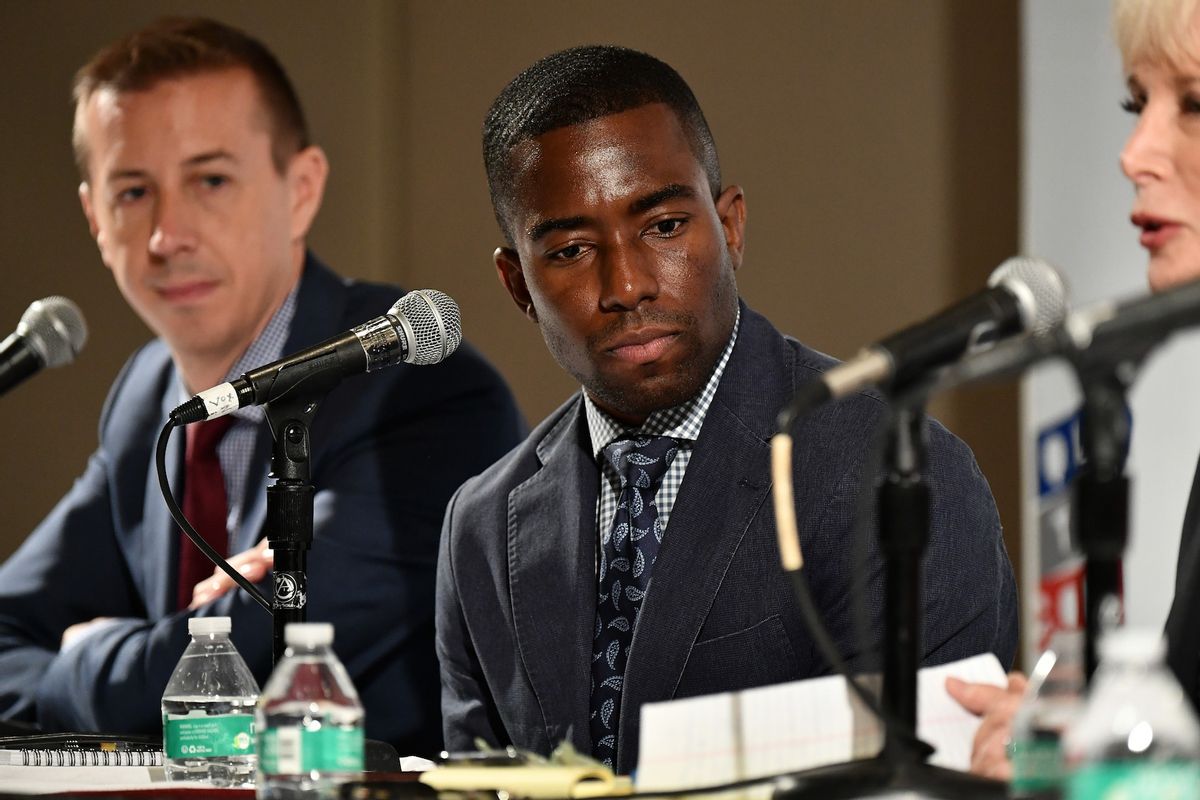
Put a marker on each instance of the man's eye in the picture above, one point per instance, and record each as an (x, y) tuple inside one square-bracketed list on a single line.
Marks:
[(666, 227), (131, 194), (214, 181), (1190, 104), (567, 253)]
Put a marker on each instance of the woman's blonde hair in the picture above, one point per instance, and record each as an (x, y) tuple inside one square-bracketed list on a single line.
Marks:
[(1156, 31)]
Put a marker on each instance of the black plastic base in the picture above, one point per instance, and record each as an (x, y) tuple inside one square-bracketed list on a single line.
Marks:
[(878, 777)]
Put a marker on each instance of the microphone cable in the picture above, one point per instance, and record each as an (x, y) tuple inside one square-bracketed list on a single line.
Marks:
[(160, 463)]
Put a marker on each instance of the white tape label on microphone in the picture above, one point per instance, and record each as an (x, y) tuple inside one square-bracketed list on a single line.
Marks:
[(219, 400)]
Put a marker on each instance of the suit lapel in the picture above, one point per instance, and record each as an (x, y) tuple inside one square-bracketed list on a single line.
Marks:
[(160, 539), (551, 563)]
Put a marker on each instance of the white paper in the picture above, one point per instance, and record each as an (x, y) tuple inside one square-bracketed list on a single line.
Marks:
[(714, 739), (47, 780)]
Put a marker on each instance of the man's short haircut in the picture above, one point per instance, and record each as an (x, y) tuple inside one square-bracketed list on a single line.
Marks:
[(178, 47), (574, 86)]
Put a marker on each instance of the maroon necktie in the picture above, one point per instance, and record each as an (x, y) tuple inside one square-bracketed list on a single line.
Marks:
[(204, 503)]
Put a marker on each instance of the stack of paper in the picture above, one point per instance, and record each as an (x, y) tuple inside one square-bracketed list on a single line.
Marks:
[(715, 739)]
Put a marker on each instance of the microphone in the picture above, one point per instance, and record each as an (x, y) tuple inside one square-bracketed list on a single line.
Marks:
[(423, 327), (1024, 294), (1111, 331), (50, 334)]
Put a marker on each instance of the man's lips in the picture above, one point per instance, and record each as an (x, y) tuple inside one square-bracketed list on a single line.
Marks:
[(186, 291), (642, 346), (1156, 231)]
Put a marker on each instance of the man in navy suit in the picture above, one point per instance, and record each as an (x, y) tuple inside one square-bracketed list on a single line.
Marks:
[(199, 184), (625, 553)]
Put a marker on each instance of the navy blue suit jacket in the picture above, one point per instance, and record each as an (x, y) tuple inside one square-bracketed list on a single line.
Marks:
[(517, 575), (388, 450)]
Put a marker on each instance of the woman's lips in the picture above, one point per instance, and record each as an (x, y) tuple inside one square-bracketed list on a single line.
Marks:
[(1156, 231), (1153, 238)]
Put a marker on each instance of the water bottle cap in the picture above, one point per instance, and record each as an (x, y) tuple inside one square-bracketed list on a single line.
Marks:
[(308, 634), (1133, 644), (206, 626)]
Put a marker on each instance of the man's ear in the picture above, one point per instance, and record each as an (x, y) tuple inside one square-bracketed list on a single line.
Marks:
[(85, 200), (508, 270), (731, 209), (306, 176)]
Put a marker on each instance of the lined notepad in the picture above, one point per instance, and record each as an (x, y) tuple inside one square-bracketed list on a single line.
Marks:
[(714, 739)]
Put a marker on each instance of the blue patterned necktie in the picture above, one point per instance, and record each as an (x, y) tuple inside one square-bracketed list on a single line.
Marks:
[(627, 553)]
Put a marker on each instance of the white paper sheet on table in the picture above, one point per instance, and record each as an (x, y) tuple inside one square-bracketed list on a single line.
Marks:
[(55, 780), (714, 739)]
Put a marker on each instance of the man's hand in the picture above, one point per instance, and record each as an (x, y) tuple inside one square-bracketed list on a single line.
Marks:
[(997, 706), (254, 564), (79, 630)]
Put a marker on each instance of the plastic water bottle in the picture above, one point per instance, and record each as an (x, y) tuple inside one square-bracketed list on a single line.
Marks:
[(1137, 736), (309, 720), (1053, 698), (208, 710)]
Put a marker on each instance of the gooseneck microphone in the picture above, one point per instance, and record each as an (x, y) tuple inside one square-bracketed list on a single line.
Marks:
[(1111, 331), (1024, 295), (50, 334), (423, 327)]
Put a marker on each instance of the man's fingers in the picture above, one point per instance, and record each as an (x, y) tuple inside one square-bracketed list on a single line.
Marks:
[(254, 564), (974, 697)]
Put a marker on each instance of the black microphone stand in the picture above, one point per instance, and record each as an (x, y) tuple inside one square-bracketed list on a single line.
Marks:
[(1100, 493), (289, 522), (902, 765)]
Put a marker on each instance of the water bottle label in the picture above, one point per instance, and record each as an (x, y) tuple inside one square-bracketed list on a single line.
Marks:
[(1037, 765), (1132, 780), (292, 751), (202, 735)]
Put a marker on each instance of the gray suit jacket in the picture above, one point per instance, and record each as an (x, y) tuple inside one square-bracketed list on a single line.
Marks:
[(516, 594)]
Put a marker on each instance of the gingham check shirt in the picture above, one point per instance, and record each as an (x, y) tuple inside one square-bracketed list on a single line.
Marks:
[(681, 422), (237, 447)]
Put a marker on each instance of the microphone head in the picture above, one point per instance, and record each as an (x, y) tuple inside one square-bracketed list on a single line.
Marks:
[(430, 321), (54, 328), (1039, 289)]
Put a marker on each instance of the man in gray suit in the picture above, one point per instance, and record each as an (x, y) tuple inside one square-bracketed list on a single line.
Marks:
[(625, 552)]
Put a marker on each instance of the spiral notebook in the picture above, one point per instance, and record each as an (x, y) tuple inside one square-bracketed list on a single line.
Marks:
[(80, 750)]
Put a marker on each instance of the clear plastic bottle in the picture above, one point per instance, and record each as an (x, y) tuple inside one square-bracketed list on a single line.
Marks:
[(1053, 698), (309, 720), (1137, 737), (208, 710)]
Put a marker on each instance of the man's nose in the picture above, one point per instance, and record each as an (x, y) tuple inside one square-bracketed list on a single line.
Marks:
[(174, 231), (630, 276)]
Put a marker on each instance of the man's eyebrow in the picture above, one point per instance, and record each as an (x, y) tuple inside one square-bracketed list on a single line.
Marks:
[(198, 160), (671, 191), (558, 224), (207, 157)]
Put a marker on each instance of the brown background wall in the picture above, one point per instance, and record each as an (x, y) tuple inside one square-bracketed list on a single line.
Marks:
[(876, 140)]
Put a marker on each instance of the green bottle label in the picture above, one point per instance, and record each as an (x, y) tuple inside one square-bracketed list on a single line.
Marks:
[(200, 735), (292, 751), (1036, 764), (1136, 780)]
